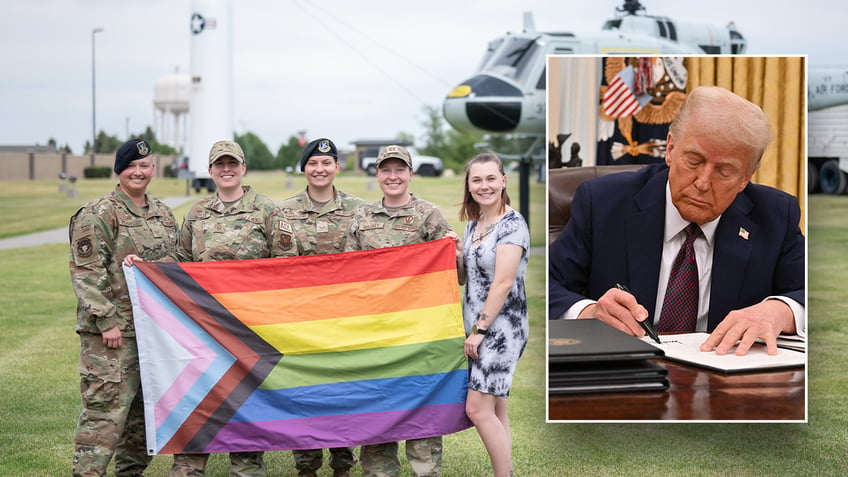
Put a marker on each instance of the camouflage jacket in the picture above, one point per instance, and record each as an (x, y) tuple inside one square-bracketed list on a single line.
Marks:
[(373, 226), (247, 229), (320, 231), (102, 233)]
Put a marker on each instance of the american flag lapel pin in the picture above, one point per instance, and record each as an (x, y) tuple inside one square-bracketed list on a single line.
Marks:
[(743, 233)]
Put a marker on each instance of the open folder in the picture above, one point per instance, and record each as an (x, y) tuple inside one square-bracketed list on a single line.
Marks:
[(685, 348)]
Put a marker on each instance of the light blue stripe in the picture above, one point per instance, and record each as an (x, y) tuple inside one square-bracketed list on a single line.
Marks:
[(205, 382)]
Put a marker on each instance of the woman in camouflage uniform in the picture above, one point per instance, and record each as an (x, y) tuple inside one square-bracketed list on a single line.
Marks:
[(125, 221), (235, 223), (399, 218), (319, 217)]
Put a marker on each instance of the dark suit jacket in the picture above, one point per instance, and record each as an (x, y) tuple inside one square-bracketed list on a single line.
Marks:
[(616, 231)]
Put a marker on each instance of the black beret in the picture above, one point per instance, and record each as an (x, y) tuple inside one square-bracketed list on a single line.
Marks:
[(130, 151), (318, 147)]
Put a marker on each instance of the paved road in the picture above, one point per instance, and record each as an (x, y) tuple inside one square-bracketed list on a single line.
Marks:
[(60, 235)]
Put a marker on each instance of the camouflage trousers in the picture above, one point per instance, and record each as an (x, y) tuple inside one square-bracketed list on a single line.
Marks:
[(112, 418), (424, 455), (341, 458), (242, 464)]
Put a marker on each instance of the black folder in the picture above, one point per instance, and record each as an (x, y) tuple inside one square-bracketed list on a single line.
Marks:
[(606, 376), (593, 340), (589, 356)]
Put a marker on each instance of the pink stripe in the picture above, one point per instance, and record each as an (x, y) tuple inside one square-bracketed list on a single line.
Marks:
[(341, 430), (203, 355)]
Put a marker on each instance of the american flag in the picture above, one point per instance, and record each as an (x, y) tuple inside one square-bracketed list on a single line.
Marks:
[(619, 100)]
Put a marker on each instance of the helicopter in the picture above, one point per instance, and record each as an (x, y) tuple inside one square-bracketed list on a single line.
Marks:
[(506, 95)]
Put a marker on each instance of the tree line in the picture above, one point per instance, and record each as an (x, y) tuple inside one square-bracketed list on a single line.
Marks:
[(453, 147)]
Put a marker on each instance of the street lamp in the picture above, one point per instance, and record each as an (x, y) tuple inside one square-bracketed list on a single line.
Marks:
[(93, 101)]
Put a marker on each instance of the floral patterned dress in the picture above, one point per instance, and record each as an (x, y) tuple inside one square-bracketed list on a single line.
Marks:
[(504, 344)]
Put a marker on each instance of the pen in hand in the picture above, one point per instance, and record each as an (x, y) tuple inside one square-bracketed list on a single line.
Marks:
[(644, 323)]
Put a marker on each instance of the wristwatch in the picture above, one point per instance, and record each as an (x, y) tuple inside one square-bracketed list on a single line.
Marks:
[(479, 331)]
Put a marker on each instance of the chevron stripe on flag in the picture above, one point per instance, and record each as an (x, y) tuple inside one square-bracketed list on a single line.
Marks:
[(619, 99), (306, 352)]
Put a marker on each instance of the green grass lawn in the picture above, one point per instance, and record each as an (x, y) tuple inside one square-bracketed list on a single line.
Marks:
[(19, 200), (39, 388)]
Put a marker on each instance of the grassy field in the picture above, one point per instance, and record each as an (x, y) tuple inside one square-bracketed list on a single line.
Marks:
[(39, 398), (19, 200)]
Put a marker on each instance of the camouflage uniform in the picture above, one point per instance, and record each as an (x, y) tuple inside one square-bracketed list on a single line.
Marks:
[(321, 231), (102, 233), (250, 228), (374, 226), (213, 231)]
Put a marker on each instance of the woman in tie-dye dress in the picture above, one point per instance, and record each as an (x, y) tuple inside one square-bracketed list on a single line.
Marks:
[(494, 261)]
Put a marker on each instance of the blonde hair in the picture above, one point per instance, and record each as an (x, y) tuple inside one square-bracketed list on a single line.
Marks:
[(723, 114)]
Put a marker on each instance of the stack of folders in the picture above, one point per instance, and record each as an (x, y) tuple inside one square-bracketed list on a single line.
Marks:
[(589, 356)]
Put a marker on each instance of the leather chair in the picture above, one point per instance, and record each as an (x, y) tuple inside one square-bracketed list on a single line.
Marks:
[(562, 184)]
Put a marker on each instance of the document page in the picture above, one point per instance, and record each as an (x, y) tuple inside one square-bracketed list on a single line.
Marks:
[(686, 348)]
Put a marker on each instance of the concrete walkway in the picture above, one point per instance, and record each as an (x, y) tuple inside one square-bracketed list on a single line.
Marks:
[(60, 235)]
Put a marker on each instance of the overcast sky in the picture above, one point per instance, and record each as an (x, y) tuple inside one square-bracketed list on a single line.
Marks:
[(344, 69)]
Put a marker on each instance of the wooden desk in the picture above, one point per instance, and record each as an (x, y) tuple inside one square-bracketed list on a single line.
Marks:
[(694, 394)]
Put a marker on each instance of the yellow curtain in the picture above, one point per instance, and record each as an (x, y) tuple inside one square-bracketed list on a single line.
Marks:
[(776, 84)]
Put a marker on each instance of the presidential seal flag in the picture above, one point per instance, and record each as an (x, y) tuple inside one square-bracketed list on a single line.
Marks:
[(305, 352)]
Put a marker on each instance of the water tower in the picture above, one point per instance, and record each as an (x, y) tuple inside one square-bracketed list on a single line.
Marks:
[(171, 101)]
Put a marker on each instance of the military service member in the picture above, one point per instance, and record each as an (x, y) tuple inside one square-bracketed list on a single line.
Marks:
[(319, 218), (320, 215), (125, 221), (399, 218), (235, 223)]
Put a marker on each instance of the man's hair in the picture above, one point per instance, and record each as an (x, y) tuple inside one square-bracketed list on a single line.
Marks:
[(728, 116)]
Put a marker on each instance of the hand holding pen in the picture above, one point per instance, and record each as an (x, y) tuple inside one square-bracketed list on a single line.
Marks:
[(619, 309), (649, 330)]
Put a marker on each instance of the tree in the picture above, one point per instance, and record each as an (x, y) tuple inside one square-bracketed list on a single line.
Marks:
[(256, 153), (52, 143), (435, 138), (460, 148), (159, 148), (107, 144), (454, 148), (289, 154)]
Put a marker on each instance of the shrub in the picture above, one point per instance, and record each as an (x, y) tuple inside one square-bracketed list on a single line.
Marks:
[(95, 172)]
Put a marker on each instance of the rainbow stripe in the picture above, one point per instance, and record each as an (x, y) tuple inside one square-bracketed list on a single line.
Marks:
[(300, 353)]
